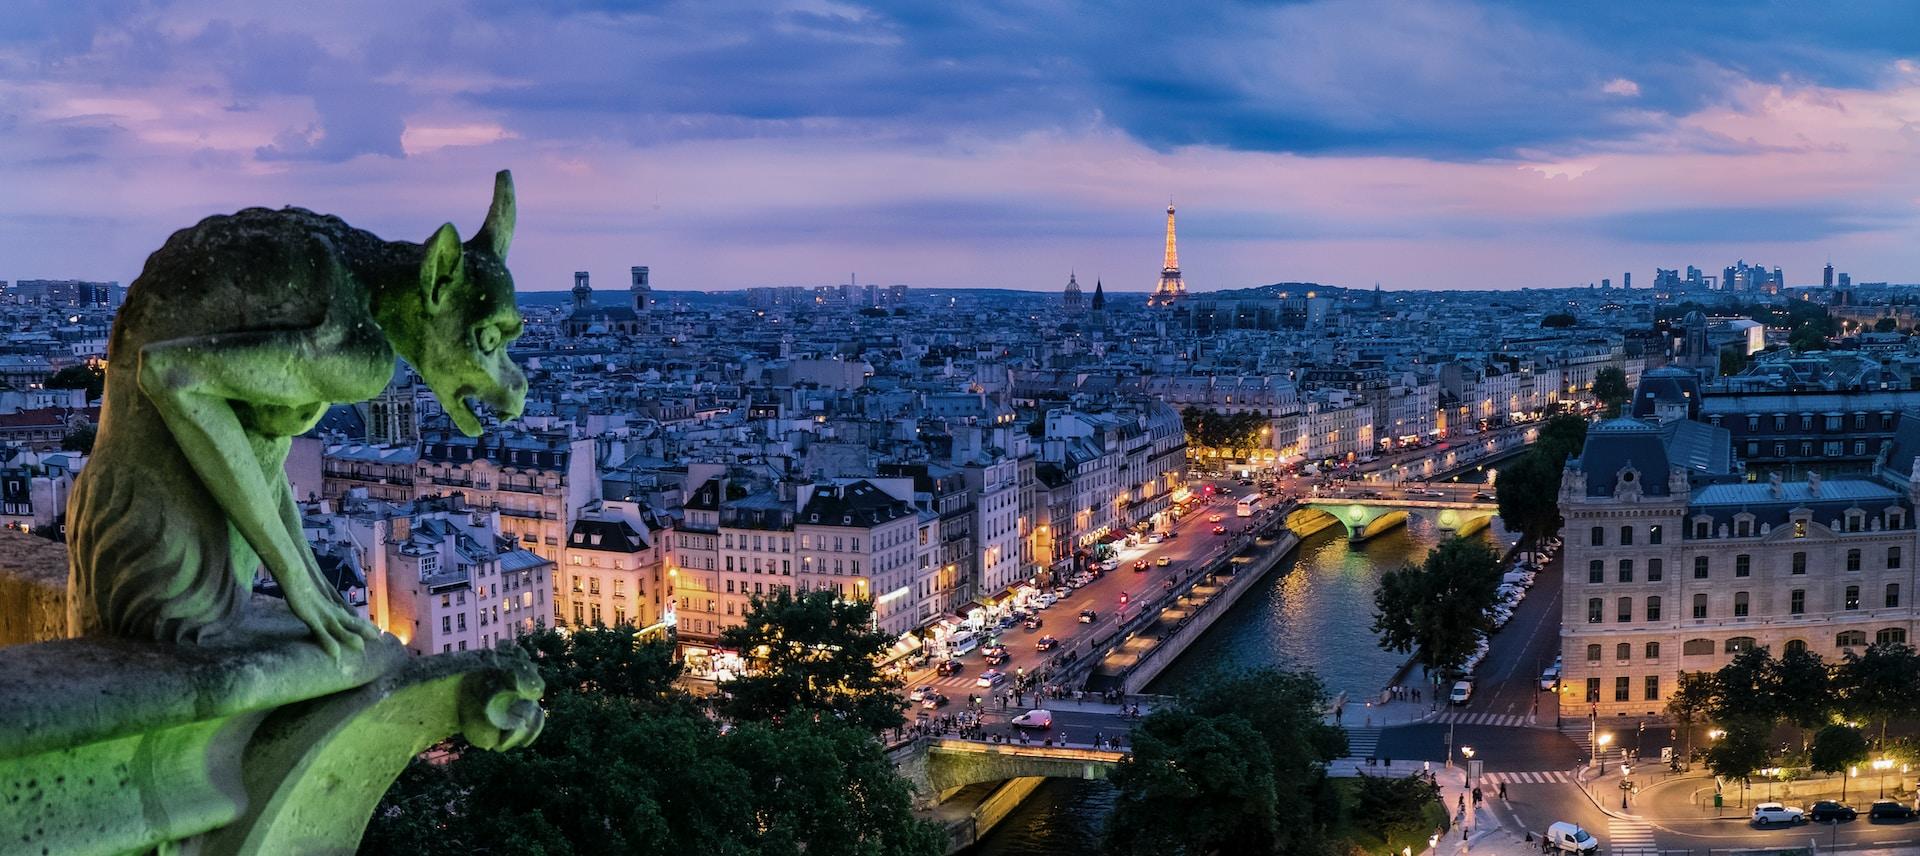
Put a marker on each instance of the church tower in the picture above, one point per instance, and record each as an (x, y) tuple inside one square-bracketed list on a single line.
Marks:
[(642, 291), (1099, 303), (1171, 288), (582, 292), (1073, 302)]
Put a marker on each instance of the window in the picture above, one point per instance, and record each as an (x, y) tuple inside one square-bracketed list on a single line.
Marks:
[(1800, 561), (1893, 557), (1700, 605), (1653, 534), (1798, 602), (1890, 636), (1625, 611), (1623, 651), (1739, 604), (1806, 422), (1796, 646), (1700, 529), (1599, 536), (1653, 688), (1699, 567), (1653, 608), (1893, 595), (1739, 644), (1742, 565), (1696, 647), (1853, 557), (446, 624), (1594, 608), (460, 621), (1743, 527), (1626, 536), (1753, 423), (1593, 653), (1852, 600), (1654, 570), (1593, 689), (1626, 570), (1622, 687), (1597, 571), (1850, 639), (1653, 650)]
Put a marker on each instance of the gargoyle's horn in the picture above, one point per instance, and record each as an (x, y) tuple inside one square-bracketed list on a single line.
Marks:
[(497, 232)]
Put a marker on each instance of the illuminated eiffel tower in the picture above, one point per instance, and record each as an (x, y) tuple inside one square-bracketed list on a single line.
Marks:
[(1171, 288)]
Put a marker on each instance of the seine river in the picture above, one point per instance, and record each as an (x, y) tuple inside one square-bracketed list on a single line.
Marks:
[(1314, 605)]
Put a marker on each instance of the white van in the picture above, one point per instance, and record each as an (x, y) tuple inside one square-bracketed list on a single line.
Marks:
[(962, 643), (1570, 838)]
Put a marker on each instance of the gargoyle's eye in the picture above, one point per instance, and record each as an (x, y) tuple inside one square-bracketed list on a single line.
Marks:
[(488, 338)]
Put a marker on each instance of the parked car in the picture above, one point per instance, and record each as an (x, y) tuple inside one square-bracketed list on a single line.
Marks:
[(1156, 538), (1040, 719), (1046, 643), (1087, 616), (989, 677), (1462, 691), (1570, 838), (1889, 810), (1773, 812), (1550, 679), (1110, 564), (1826, 810)]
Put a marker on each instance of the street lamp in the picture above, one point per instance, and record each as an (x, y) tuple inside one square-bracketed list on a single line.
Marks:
[(1882, 765), (1467, 752)]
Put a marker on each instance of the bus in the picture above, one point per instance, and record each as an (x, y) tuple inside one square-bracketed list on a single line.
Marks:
[(1248, 504)]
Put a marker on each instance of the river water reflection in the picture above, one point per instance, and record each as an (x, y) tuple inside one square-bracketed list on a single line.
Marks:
[(1315, 611)]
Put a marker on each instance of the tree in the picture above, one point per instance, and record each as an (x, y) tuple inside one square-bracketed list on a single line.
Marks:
[(1528, 493), (1385, 806), (812, 652), (611, 661), (88, 376), (78, 440), (1439, 611), (1732, 362), (1886, 325), (1738, 752), (1561, 438), (1610, 389), (1882, 683), (1802, 689), (1746, 690), (1558, 320), (1692, 697), (1837, 748)]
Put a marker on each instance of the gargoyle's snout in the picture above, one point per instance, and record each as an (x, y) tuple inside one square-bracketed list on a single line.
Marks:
[(509, 398)]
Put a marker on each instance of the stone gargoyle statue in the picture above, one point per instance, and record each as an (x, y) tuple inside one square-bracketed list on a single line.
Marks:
[(238, 335)]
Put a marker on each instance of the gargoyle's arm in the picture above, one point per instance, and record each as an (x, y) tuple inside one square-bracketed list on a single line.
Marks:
[(191, 382)]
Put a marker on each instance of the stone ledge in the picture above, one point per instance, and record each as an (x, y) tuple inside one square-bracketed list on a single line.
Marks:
[(33, 589)]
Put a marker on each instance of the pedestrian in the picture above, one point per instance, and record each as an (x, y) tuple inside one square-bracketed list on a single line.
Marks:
[(1503, 791), (1476, 795)]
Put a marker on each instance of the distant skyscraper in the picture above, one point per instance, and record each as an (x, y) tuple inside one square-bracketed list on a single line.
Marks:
[(1846, 280), (1626, 279), (1171, 288), (1826, 276), (1073, 302), (1605, 282)]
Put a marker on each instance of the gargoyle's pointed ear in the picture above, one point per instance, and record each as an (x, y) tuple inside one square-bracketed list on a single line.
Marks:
[(497, 232), (444, 263)]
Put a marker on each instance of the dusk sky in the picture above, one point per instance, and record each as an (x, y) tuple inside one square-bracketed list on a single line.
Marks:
[(734, 144)]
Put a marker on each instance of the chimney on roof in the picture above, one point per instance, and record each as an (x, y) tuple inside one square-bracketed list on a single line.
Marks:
[(1773, 485)]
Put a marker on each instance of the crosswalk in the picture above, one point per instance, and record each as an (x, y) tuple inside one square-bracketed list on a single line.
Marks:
[(1506, 720), (1543, 777), (1630, 838)]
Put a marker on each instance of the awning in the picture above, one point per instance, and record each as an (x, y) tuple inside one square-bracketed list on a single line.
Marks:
[(901, 647)]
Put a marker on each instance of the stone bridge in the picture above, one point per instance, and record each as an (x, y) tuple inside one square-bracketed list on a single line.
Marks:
[(937, 767), (1365, 518)]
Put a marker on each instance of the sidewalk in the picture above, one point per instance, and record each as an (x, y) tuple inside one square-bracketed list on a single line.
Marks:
[(1357, 713), (1483, 832)]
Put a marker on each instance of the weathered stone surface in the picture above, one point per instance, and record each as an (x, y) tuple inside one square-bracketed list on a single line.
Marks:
[(238, 335), (33, 589)]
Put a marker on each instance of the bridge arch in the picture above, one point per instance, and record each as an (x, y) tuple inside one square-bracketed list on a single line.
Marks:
[(939, 767), (1363, 519)]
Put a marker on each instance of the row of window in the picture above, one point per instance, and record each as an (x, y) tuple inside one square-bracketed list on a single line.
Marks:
[(1743, 527), (1742, 566), (1598, 537), (1828, 422), (1829, 448), (1623, 688), (1796, 604)]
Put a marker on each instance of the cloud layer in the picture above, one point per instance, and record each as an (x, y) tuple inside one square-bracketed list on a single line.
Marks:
[(729, 144)]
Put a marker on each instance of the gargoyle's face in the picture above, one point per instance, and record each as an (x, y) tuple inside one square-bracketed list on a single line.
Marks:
[(463, 354)]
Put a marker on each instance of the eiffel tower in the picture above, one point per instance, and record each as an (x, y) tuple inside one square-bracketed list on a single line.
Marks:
[(1171, 288)]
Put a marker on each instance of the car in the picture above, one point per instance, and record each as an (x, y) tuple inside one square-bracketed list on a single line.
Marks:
[(1046, 600), (1570, 838), (1156, 538), (1889, 810), (1550, 679), (1215, 518), (1141, 565), (1032, 623), (949, 667), (1462, 690), (1040, 719), (919, 693), (1110, 564), (1431, 492), (1219, 530), (989, 677), (934, 701), (1483, 496), (1046, 643), (995, 659), (1773, 812), (1087, 616), (1163, 561), (1828, 810), (1172, 534)]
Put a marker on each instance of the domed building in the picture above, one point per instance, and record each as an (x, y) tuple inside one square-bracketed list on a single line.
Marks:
[(590, 320)]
